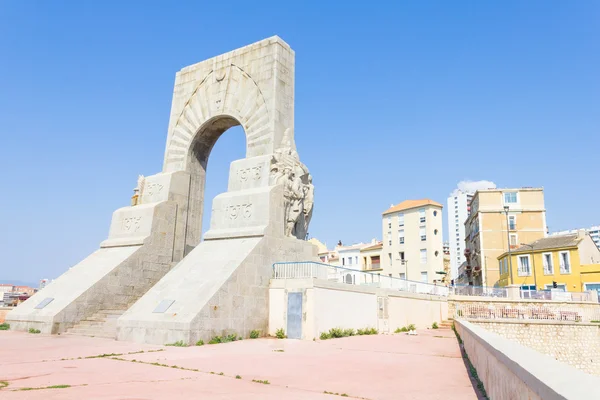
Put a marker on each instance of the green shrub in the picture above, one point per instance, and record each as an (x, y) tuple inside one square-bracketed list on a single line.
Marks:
[(200, 342), (4, 327), (33, 330), (280, 333), (411, 327), (238, 377), (336, 333), (349, 332), (230, 338), (400, 330), (215, 340), (434, 325), (325, 336), (178, 343), (254, 334), (360, 332)]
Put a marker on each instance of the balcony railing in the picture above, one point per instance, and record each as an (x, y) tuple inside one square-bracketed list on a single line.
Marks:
[(310, 269)]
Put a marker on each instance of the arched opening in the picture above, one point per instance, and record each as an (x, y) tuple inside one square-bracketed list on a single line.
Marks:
[(202, 192)]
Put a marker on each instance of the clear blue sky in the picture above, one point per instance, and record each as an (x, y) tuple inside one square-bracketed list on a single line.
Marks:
[(393, 101)]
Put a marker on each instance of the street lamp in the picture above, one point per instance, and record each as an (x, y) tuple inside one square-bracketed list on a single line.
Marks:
[(506, 208), (532, 256)]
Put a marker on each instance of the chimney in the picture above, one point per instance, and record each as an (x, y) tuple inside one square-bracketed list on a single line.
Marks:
[(581, 233)]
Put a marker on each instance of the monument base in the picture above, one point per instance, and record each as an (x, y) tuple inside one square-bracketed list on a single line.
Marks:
[(112, 277), (220, 288)]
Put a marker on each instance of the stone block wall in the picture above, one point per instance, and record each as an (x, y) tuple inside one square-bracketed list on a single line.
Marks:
[(509, 370), (573, 343)]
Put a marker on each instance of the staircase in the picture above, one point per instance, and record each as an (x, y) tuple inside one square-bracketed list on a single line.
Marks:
[(446, 324), (101, 324)]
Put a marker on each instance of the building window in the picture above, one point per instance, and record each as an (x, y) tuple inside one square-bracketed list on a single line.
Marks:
[(436, 253), (512, 222), (390, 222), (421, 215), (423, 234), (500, 266), (510, 197), (343, 261), (524, 269), (390, 242), (349, 260), (513, 240), (400, 219), (356, 259), (434, 213), (435, 231), (402, 275), (390, 258), (402, 255), (423, 254), (424, 277), (548, 267), (565, 262)]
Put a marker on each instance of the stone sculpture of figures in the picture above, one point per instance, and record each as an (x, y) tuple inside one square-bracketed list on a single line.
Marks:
[(298, 190)]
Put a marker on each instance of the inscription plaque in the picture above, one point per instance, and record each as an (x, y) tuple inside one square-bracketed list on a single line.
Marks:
[(163, 306), (44, 303)]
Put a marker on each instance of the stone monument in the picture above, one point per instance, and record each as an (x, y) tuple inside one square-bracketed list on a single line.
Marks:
[(153, 267)]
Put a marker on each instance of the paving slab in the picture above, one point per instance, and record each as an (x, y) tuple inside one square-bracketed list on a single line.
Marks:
[(426, 366)]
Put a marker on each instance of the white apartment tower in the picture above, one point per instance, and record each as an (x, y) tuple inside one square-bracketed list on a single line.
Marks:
[(458, 211)]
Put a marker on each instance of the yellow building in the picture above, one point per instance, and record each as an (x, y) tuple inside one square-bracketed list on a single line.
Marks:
[(500, 218), (371, 256), (572, 261)]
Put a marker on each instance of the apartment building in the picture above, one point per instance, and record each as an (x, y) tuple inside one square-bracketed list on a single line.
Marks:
[(412, 240), (458, 211), (500, 218)]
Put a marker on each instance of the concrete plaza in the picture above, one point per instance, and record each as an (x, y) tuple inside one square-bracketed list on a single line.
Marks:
[(427, 366)]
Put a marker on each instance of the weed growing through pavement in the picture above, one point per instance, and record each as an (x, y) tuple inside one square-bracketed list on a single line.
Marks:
[(178, 343)]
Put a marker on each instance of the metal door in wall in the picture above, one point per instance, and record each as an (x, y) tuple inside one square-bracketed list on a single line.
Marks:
[(294, 315)]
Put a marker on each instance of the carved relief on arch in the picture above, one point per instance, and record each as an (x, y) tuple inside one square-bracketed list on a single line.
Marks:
[(228, 91)]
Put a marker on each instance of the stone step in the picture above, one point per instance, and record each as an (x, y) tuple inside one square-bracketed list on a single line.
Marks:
[(92, 332), (94, 323)]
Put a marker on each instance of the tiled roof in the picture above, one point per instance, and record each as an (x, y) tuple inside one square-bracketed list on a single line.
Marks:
[(373, 247), (552, 242), (408, 204)]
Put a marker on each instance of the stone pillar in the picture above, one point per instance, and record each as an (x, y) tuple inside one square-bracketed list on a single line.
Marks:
[(514, 292), (594, 296)]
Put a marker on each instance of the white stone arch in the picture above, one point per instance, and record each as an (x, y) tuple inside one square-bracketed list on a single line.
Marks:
[(252, 87), (223, 99)]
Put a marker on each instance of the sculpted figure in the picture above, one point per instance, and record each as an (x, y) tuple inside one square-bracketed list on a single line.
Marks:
[(298, 190)]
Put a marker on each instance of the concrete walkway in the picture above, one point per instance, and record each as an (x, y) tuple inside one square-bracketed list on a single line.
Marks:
[(427, 366)]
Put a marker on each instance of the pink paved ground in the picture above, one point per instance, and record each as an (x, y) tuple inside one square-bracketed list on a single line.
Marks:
[(427, 366)]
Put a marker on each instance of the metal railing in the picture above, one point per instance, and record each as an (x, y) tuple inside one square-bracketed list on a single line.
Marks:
[(555, 295), (527, 311), (310, 269), (468, 290)]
